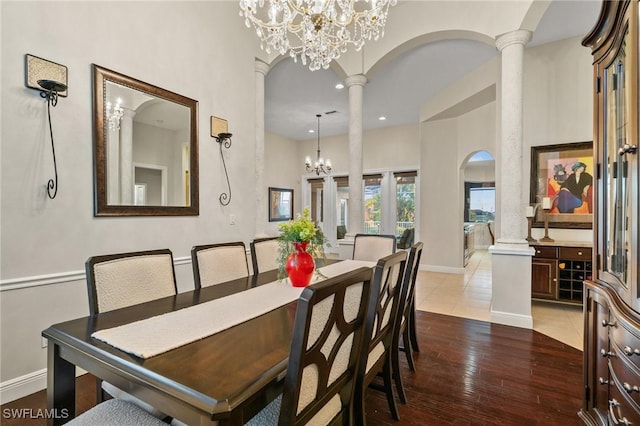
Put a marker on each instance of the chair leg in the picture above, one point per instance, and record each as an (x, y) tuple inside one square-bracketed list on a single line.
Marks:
[(359, 414), (406, 341), (395, 361), (412, 327), (388, 388)]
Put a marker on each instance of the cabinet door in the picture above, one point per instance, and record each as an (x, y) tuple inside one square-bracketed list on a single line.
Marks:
[(618, 183), (544, 278)]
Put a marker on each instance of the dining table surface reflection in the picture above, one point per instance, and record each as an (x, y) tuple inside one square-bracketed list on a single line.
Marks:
[(226, 377)]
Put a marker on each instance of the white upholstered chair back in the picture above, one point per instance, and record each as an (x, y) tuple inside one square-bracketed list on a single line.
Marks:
[(120, 280), (216, 263), (264, 254), (116, 281), (326, 348), (371, 247)]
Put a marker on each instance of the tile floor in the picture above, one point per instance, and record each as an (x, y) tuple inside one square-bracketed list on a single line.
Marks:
[(468, 295)]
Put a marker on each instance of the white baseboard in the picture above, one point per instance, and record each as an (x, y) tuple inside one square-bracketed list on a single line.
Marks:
[(26, 385), (443, 269), (22, 386)]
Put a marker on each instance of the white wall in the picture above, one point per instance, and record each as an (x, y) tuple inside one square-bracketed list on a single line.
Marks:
[(388, 148), (44, 241)]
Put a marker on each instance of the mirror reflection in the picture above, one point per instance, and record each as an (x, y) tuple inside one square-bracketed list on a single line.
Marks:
[(146, 148)]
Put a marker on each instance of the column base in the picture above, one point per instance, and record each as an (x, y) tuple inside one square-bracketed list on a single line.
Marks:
[(511, 286)]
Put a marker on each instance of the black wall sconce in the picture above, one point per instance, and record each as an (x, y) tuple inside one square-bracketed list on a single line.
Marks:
[(220, 132), (50, 78)]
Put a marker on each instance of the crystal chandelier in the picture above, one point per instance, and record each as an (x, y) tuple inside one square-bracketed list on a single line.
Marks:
[(320, 165), (319, 30), (114, 114)]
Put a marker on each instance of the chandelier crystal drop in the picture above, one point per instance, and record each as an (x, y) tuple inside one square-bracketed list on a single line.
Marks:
[(320, 165), (316, 30), (114, 114)]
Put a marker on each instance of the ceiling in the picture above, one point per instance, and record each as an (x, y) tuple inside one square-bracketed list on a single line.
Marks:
[(294, 95)]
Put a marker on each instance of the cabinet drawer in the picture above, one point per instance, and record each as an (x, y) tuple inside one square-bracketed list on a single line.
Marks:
[(546, 252), (622, 406), (575, 253), (624, 343)]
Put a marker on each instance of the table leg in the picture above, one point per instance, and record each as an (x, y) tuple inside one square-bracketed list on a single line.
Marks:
[(61, 387)]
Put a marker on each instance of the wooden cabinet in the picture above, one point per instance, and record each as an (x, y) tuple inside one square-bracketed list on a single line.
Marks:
[(611, 357), (558, 272), (612, 302)]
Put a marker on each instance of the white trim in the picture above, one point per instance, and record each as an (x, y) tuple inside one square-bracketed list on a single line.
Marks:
[(515, 320), (61, 277), (444, 269), (22, 386)]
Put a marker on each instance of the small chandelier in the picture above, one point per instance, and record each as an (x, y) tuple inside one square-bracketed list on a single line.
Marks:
[(318, 29), (114, 114), (320, 165)]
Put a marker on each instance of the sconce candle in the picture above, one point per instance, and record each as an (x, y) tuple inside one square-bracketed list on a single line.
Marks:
[(529, 212), (546, 203)]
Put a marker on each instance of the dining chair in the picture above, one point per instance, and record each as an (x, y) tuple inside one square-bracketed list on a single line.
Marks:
[(116, 412), (404, 317), (406, 239), (120, 280), (326, 349), (217, 263), (379, 332), (264, 254), (371, 247)]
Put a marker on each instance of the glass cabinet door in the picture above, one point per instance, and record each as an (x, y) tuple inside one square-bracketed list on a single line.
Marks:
[(616, 194)]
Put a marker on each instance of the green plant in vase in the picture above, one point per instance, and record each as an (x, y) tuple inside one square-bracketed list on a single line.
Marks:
[(297, 237)]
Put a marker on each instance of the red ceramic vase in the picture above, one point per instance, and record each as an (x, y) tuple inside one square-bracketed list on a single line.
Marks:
[(300, 265)]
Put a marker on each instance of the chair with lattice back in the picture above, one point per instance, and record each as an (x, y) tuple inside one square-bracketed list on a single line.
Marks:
[(381, 319), (217, 263), (405, 317), (326, 349)]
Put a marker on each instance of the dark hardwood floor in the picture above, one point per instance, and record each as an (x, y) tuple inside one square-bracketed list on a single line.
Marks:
[(468, 373)]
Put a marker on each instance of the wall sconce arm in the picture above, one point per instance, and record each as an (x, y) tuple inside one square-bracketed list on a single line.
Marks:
[(224, 139), (50, 93)]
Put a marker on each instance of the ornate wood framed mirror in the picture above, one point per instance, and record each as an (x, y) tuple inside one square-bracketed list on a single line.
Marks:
[(145, 147)]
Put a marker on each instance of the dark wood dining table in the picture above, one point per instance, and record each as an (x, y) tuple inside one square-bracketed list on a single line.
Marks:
[(226, 377)]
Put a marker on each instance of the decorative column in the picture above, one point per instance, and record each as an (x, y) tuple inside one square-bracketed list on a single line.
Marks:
[(355, 83), (113, 166), (127, 178), (261, 205), (511, 255)]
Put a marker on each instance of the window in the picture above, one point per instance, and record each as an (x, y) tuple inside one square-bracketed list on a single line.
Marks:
[(480, 202), (372, 204), (405, 201)]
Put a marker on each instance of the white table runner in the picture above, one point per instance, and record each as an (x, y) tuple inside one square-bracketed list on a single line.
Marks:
[(155, 335)]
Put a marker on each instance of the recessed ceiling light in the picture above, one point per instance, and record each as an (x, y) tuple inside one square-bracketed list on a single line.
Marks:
[(311, 131), (382, 118), (339, 86)]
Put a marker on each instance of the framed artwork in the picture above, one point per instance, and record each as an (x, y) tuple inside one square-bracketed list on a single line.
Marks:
[(280, 204), (562, 179)]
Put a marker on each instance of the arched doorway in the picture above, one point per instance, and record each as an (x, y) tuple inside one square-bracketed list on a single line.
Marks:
[(479, 202)]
